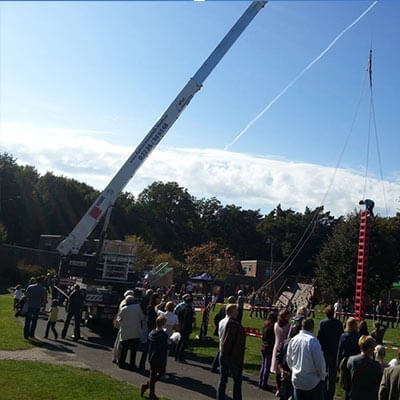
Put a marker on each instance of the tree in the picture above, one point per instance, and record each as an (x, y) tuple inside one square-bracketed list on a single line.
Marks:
[(337, 261), (210, 258), (236, 229), (287, 228), (169, 218), (145, 257), (18, 201)]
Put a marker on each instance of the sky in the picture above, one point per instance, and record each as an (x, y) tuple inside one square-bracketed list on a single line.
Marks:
[(81, 84)]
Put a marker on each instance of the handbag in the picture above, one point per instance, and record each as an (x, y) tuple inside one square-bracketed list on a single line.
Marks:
[(345, 375)]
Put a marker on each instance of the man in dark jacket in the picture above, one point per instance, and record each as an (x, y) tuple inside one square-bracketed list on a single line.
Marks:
[(232, 345), (329, 332), (158, 350), (74, 307), (186, 317)]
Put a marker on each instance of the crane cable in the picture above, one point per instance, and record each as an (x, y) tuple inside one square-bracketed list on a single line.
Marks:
[(287, 263), (372, 125)]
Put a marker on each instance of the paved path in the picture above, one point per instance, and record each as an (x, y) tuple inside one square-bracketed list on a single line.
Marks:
[(191, 381)]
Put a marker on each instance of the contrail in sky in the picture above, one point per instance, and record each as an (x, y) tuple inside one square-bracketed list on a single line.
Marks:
[(269, 105)]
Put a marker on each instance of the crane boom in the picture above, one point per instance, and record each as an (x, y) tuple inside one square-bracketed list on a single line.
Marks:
[(88, 222)]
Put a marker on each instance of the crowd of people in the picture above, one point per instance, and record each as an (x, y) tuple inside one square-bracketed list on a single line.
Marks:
[(385, 312), (306, 361)]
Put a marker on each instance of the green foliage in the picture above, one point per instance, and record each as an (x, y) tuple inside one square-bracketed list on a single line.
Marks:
[(169, 217), (285, 228), (145, 257), (338, 258), (27, 271), (210, 258)]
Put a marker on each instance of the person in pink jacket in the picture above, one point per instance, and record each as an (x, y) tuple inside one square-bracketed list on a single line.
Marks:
[(282, 332)]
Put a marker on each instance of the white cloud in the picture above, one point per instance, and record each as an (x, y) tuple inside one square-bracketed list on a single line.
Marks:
[(242, 179)]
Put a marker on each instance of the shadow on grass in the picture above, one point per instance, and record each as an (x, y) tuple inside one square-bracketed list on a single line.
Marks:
[(195, 344)]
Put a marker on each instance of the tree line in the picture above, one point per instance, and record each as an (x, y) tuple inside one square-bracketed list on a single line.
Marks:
[(170, 223)]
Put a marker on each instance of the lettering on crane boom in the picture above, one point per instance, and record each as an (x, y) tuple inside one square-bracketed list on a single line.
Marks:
[(156, 134)]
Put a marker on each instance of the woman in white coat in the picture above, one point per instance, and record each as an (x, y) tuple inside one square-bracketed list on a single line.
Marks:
[(130, 322)]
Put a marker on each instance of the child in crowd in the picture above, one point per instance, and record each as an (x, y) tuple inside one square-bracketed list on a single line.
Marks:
[(17, 295), (51, 323), (21, 306), (158, 348)]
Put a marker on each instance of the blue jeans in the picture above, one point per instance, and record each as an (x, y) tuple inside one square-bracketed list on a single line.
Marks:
[(30, 322), (316, 393), (227, 366)]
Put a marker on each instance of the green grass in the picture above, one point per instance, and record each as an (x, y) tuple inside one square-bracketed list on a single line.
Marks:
[(28, 380), (11, 329)]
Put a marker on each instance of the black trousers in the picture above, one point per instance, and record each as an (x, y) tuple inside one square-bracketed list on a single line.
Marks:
[(77, 319), (132, 345), (51, 325), (181, 345)]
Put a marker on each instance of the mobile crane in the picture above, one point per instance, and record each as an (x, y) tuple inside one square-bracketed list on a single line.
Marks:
[(72, 260)]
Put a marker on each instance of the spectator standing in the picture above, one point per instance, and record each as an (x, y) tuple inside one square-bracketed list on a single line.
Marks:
[(36, 296), (240, 305), (158, 350), (390, 384), (130, 321), (286, 391), (150, 303), (380, 354), (392, 312), (363, 328), (268, 342), (232, 345), (306, 360), (348, 346), (364, 371), (347, 308), (338, 308), (221, 314), (329, 332), (252, 302), (282, 332), (116, 353), (186, 317), (378, 333), (17, 295), (51, 323), (74, 309), (380, 311), (297, 320)]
